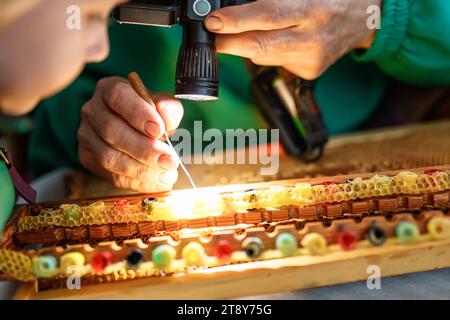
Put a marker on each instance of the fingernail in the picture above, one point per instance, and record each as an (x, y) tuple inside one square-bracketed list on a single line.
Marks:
[(167, 162), (214, 23), (153, 129), (167, 177)]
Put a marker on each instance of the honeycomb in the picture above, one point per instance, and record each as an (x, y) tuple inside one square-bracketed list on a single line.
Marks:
[(74, 216), (304, 194), (203, 205), (17, 265)]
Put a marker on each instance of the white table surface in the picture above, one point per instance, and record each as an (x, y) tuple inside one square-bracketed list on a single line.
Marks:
[(433, 285)]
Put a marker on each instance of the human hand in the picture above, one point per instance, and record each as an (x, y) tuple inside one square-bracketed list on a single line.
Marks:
[(303, 36), (119, 137)]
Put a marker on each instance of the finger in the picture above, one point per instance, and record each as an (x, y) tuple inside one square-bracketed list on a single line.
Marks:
[(112, 159), (88, 161), (259, 15), (306, 72), (164, 183), (121, 136), (254, 44), (121, 98), (170, 109), (278, 60)]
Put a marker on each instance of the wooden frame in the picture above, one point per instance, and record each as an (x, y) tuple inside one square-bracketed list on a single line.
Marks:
[(270, 276), (266, 276)]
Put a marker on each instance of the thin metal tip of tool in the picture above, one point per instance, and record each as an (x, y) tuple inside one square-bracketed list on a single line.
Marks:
[(180, 162)]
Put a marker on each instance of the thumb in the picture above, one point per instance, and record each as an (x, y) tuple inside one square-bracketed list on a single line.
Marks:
[(259, 15), (170, 109)]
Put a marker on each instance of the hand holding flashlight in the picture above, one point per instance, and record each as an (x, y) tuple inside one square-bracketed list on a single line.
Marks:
[(304, 37), (119, 137)]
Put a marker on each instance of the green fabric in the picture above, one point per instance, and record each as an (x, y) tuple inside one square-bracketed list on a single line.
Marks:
[(9, 125), (413, 44), (348, 93), (7, 195)]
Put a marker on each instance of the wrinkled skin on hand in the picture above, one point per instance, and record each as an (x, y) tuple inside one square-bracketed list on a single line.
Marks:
[(119, 137), (303, 36)]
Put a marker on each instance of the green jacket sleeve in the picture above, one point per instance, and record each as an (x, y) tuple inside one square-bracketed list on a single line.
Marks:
[(7, 195), (413, 43)]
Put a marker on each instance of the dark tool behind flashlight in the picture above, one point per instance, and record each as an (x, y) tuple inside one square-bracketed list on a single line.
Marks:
[(288, 104), (197, 75)]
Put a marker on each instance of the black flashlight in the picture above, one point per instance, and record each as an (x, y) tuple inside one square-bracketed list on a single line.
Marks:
[(197, 74)]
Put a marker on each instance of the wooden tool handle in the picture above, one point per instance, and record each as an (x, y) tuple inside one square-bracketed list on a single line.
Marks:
[(139, 87)]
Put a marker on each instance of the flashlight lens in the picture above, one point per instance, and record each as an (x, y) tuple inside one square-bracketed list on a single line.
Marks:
[(195, 97), (202, 7)]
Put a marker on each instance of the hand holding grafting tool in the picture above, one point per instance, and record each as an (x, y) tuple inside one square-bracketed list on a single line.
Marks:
[(143, 92)]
